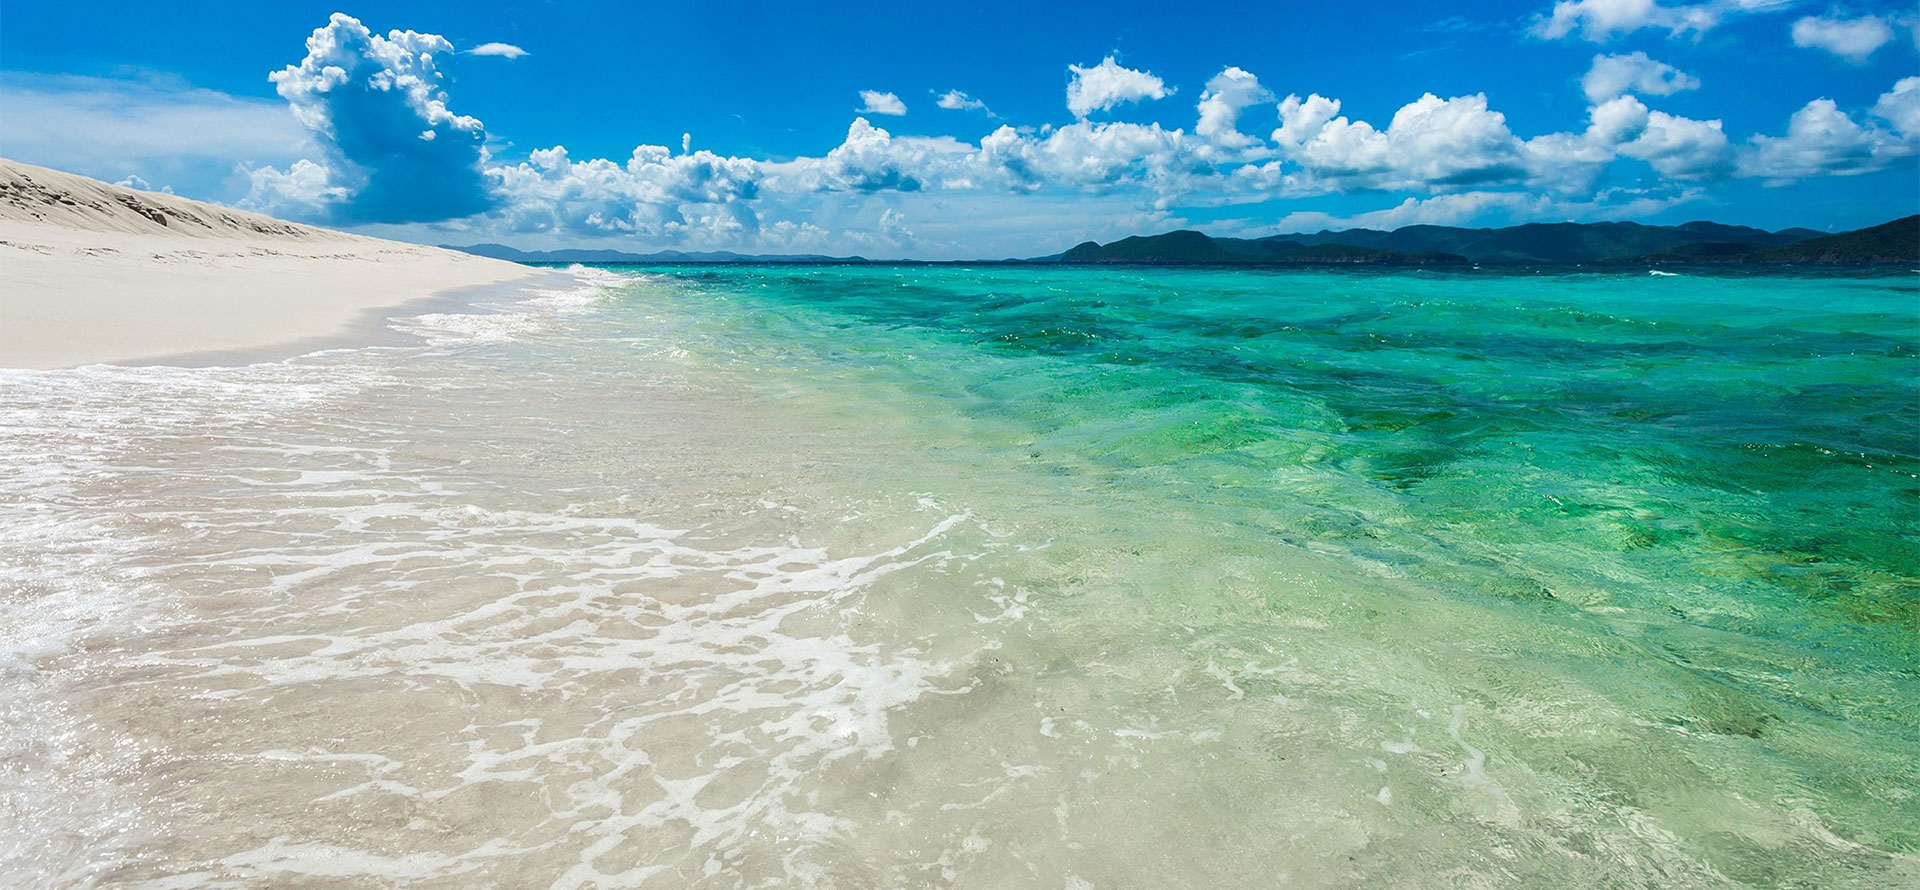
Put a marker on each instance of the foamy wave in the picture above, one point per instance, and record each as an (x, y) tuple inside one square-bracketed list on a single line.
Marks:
[(741, 647), (638, 679), (76, 565), (533, 310)]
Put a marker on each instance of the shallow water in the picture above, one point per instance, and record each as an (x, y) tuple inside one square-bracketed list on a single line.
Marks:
[(986, 577)]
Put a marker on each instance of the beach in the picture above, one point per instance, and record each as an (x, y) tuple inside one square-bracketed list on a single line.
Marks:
[(576, 446), (981, 577), (93, 272)]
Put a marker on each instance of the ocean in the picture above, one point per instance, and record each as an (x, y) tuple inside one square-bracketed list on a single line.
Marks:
[(995, 576)]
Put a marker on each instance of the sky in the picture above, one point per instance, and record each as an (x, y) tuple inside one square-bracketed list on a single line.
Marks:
[(974, 130)]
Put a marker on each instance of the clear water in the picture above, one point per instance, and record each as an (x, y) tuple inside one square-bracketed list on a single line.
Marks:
[(987, 577)]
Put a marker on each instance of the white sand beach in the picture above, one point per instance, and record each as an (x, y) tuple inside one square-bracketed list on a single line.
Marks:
[(96, 273)]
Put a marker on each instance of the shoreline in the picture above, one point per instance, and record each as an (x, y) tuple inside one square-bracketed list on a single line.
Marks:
[(92, 273), (73, 297), (370, 327)]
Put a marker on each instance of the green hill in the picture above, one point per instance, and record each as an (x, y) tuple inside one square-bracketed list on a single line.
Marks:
[(1553, 243), (1530, 244), (1190, 248), (1893, 242), (1184, 247)]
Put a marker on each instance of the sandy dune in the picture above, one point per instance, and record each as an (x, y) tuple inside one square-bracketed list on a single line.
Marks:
[(92, 272)]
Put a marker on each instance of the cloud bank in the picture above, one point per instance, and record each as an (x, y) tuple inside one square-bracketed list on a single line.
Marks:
[(391, 148)]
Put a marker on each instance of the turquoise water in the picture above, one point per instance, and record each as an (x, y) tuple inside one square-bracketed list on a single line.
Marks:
[(875, 576), (1703, 489), (1735, 453)]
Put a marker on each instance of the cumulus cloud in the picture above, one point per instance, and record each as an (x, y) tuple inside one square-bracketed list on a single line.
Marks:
[(1571, 163), (1900, 106), (377, 106), (877, 102), (1103, 86), (871, 159), (1228, 94), (1635, 72), (504, 50), (1851, 39), (1090, 155), (954, 100), (1443, 145), (655, 193), (1430, 142), (1823, 140), (1682, 148), (136, 182), (296, 191), (1600, 20)]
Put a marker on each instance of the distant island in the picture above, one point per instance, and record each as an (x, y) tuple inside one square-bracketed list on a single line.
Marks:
[(1532, 244)]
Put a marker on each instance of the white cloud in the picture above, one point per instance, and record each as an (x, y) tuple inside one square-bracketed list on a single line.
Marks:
[(871, 159), (1822, 140), (1682, 148), (1851, 39), (954, 100), (135, 182), (504, 50), (1600, 20), (1089, 155), (296, 191), (1571, 163), (881, 103), (655, 193), (378, 108), (1635, 72), (1900, 106), (1301, 119), (1451, 141), (1228, 94), (1101, 87), (1431, 142)]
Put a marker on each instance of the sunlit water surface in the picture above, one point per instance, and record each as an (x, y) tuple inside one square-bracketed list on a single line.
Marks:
[(986, 577)]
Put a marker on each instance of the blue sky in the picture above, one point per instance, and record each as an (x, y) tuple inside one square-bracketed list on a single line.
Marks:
[(781, 127)]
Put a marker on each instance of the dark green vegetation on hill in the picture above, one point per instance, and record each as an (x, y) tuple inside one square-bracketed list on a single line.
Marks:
[(1894, 242), (1531, 244), (1189, 247), (1553, 242)]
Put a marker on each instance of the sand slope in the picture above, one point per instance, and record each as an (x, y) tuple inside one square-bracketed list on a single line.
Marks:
[(92, 272)]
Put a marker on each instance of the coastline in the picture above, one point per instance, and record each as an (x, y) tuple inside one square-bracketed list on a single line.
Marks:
[(370, 326), (74, 297), (92, 273)]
